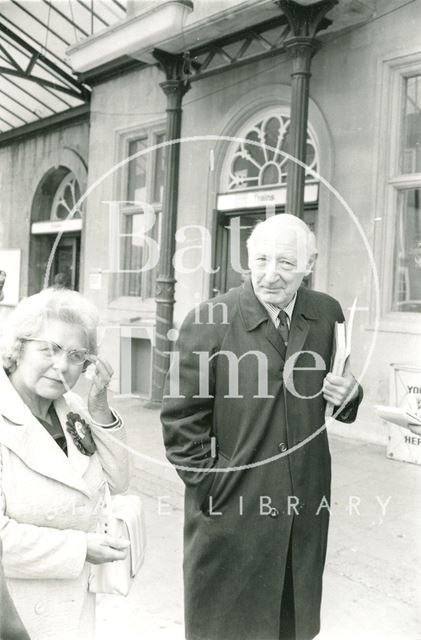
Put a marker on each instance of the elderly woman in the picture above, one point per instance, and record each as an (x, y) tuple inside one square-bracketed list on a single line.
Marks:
[(56, 456)]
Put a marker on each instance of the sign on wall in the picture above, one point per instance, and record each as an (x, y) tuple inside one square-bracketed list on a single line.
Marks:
[(10, 264), (403, 444)]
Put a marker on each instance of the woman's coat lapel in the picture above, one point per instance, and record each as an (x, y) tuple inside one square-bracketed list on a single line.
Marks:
[(28, 439)]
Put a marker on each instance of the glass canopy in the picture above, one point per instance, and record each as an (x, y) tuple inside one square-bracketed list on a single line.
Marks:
[(36, 80)]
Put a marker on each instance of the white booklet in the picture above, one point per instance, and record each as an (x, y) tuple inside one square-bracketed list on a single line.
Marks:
[(343, 336)]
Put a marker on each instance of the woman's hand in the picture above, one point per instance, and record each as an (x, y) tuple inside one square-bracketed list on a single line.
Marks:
[(97, 400), (105, 548)]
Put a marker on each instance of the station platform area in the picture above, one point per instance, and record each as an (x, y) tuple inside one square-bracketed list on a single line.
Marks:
[(372, 580)]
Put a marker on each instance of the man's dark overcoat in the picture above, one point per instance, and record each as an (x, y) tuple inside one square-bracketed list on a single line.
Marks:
[(239, 523)]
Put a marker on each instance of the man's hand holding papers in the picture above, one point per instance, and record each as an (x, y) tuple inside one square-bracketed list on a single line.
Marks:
[(340, 387)]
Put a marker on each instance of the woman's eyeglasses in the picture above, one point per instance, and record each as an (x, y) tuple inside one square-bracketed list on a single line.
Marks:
[(52, 350)]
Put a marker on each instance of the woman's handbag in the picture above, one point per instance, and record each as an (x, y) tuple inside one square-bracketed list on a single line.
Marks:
[(122, 517)]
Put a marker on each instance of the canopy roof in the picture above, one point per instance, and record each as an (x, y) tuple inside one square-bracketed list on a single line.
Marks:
[(36, 79)]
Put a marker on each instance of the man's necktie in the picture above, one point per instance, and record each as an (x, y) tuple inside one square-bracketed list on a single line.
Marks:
[(283, 326)]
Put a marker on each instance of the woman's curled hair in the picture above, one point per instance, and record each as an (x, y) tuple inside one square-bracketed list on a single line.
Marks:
[(34, 313)]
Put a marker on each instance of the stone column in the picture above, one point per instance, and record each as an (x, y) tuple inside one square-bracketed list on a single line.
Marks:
[(304, 22), (176, 69)]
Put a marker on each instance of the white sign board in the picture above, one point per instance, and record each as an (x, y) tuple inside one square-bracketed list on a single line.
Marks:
[(262, 198), (95, 280), (402, 443), (56, 226), (10, 263)]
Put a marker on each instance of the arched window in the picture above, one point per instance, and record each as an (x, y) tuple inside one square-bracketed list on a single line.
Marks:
[(55, 197), (55, 211), (66, 198), (258, 161)]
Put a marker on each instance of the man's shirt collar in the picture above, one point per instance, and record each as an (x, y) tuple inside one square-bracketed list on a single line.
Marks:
[(273, 311)]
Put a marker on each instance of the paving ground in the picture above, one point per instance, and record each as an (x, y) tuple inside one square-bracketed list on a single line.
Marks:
[(372, 586)]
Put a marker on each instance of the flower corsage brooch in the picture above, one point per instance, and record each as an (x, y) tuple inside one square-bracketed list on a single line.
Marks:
[(81, 433)]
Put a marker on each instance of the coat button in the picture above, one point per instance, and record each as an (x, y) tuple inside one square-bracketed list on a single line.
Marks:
[(39, 608), (274, 512), (282, 447)]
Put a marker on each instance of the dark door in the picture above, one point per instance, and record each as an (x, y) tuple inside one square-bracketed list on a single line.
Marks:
[(65, 265)]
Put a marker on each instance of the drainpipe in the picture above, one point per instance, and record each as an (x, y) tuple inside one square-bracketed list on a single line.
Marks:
[(304, 22)]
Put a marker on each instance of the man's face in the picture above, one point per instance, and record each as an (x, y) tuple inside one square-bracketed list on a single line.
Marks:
[(278, 266)]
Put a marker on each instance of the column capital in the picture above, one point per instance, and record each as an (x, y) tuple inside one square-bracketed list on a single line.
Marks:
[(177, 68), (174, 90), (306, 20), (301, 49)]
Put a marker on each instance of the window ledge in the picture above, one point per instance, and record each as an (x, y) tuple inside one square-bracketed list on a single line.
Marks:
[(146, 308), (407, 323)]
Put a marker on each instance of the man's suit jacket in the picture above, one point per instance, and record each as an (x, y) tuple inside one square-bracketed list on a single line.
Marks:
[(270, 452)]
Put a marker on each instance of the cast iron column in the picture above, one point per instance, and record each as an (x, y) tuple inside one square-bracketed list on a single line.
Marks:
[(175, 86), (304, 22)]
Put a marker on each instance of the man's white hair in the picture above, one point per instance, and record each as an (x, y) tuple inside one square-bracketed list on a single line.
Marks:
[(273, 229)]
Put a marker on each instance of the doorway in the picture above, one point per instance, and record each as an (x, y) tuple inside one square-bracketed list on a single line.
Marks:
[(65, 267), (66, 262), (56, 211)]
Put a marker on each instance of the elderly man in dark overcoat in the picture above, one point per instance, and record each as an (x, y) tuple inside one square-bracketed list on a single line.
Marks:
[(244, 424)]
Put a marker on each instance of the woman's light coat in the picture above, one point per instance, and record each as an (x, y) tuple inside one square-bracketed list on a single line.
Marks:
[(49, 501)]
